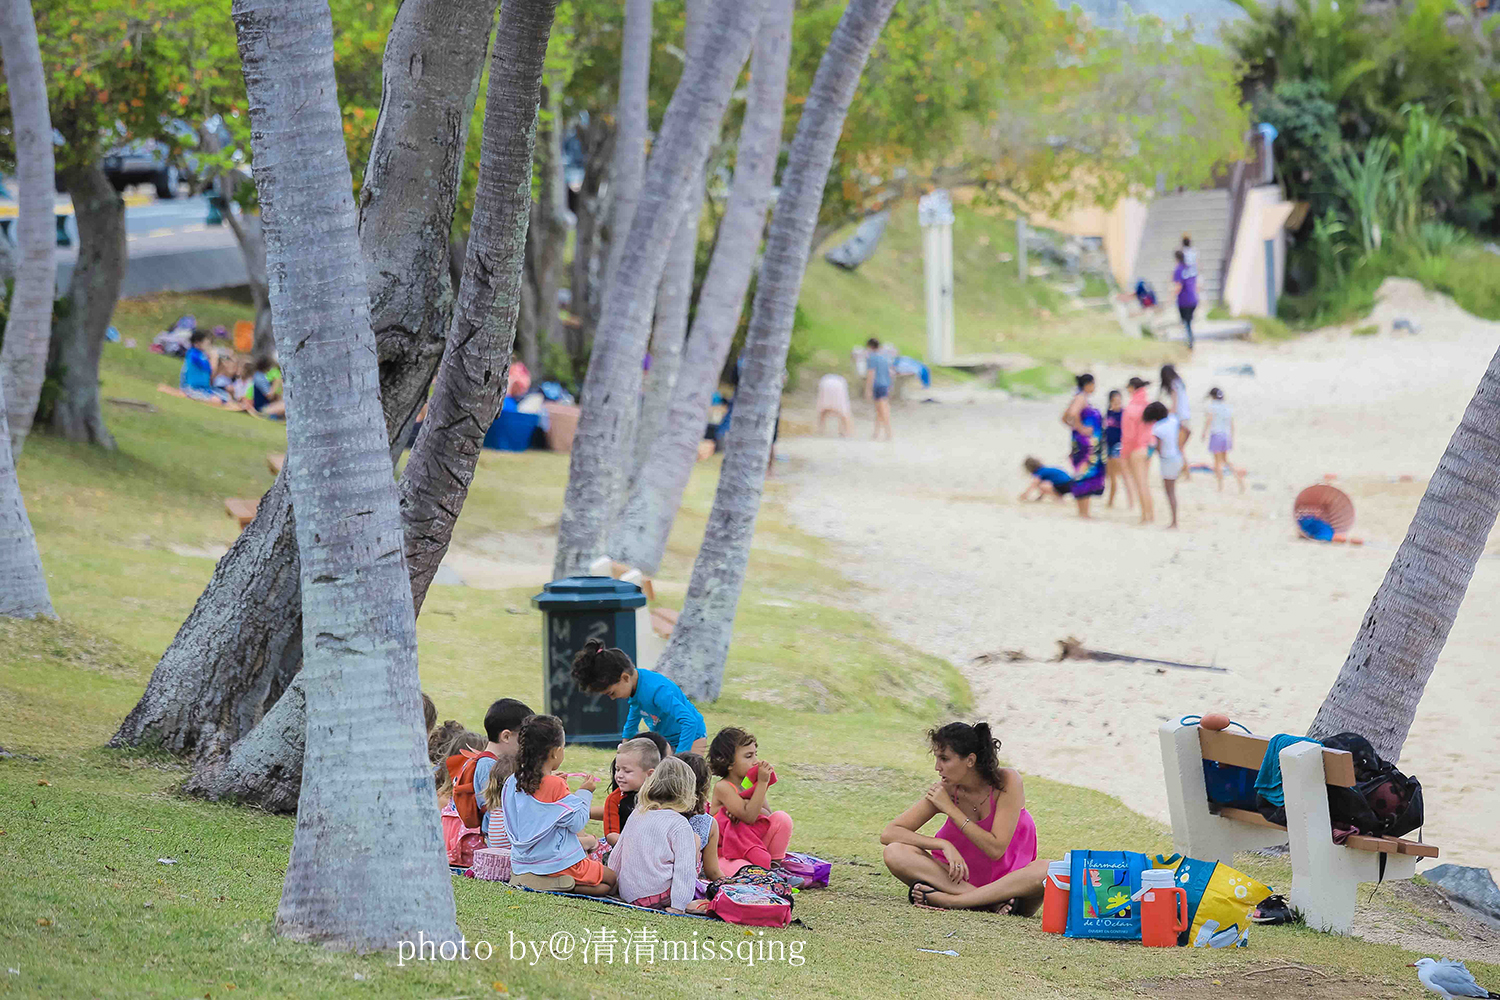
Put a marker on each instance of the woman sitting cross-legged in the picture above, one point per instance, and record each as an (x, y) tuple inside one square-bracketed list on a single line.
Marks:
[(984, 855)]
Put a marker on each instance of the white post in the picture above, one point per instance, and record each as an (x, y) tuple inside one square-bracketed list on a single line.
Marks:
[(1021, 247), (935, 212)]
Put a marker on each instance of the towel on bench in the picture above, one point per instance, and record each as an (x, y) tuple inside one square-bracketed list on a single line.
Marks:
[(1268, 781)]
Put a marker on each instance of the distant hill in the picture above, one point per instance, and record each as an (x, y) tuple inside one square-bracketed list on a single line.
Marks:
[(1207, 16)]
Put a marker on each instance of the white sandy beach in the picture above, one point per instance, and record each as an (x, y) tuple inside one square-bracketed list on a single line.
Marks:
[(958, 567)]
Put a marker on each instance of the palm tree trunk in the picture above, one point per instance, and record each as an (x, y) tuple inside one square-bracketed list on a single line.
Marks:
[(611, 391), (640, 533), (674, 297), (78, 341), (1377, 690), (23, 584), (23, 359), (700, 643), (546, 240), (632, 124), (474, 372), (241, 645), (592, 208), (368, 866)]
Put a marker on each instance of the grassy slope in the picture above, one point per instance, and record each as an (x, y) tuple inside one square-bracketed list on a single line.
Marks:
[(87, 909), (994, 312)]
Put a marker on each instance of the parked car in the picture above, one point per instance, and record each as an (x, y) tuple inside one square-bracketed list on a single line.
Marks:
[(152, 161), (164, 162)]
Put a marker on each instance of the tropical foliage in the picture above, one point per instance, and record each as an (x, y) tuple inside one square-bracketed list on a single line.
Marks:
[(1389, 127)]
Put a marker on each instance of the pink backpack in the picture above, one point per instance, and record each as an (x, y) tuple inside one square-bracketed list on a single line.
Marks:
[(752, 896), (812, 871), (461, 841), (752, 905)]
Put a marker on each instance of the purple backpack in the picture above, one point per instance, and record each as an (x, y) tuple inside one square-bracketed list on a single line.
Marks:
[(813, 871)]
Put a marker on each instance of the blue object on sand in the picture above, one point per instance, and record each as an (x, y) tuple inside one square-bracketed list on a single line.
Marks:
[(1316, 528)]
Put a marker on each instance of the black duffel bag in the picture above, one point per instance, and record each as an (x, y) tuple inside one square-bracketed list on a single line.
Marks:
[(1383, 802)]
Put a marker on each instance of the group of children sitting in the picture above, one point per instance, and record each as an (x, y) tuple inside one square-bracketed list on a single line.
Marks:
[(666, 821), (220, 377)]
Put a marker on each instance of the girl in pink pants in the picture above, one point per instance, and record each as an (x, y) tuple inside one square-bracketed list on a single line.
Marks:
[(749, 832)]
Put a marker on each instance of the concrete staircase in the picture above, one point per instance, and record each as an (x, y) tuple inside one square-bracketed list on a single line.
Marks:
[(1203, 215)]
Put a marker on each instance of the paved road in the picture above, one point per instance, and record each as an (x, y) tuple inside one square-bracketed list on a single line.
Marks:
[(170, 245)]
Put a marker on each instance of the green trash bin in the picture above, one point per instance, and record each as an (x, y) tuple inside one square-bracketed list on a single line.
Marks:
[(575, 610)]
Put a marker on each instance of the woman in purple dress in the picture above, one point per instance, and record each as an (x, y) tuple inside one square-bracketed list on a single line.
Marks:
[(1087, 425)]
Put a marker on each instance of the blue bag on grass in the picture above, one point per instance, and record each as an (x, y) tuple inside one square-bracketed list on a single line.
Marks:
[(1099, 903)]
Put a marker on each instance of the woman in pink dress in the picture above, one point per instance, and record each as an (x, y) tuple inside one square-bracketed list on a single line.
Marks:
[(984, 854)]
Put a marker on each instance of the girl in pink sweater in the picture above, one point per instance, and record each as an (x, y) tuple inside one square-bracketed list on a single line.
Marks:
[(655, 859)]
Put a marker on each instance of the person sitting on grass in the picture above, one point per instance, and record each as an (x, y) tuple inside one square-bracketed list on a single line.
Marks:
[(704, 827), (984, 854), (656, 859), (653, 697), (634, 762), (544, 821), (265, 392), (197, 378), (749, 831), (502, 730), (1046, 481)]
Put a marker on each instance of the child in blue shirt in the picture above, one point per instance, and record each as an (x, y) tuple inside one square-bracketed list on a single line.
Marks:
[(652, 697), (197, 377)]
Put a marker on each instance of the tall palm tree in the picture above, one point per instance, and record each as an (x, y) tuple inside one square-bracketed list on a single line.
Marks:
[(628, 169), (674, 297), (700, 643), (1377, 690), (639, 535), (23, 359), (472, 378), (240, 647), (23, 585), (367, 867), (604, 442)]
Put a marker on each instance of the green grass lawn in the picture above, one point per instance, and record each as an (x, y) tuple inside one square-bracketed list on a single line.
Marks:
[(994, 311), (87, 908)]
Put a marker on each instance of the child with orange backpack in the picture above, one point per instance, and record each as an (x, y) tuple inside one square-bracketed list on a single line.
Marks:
[(478, 776), (461, 840)]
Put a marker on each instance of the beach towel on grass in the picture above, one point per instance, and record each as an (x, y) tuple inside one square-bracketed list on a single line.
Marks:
[(611, 901)]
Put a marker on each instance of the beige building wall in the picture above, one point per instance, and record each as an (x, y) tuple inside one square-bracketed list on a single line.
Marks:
[(1263, 218)]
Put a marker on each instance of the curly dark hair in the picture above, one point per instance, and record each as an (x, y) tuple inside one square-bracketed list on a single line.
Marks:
[(700, 770), (963, 739), (596, 668), (726, 744), (540, 735)]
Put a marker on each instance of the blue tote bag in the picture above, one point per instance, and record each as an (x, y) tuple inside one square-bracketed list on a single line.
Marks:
[(1099, 902)]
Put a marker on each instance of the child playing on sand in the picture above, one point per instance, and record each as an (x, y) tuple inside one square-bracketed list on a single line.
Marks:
[(654, 862), (653, 697), (702, 823), (749, 832), (634, 763), (1114, 461), (1164, 430), (544, 821), (1219, 429), (1046, 480)]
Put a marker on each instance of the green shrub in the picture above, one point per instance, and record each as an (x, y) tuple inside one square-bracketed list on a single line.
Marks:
[(1368, 330)]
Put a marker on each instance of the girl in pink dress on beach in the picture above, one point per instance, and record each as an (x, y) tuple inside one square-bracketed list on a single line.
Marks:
[(984, 854)]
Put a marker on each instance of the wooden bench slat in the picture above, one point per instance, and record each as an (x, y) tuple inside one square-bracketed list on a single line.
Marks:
[(1359, 842), (1248, 751), (1246, 816), (274, 462)]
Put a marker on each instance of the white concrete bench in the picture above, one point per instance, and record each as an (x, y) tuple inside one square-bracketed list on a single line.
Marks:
[(1325, 875)]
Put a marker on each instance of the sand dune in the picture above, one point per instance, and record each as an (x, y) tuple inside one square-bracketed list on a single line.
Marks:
[(960, 567)]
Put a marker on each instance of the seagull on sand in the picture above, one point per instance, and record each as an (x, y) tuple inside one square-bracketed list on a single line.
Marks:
[(1448, 978)]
